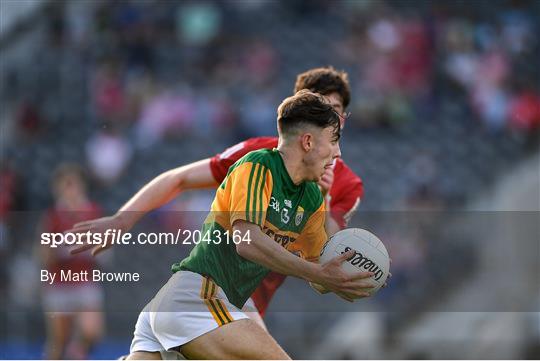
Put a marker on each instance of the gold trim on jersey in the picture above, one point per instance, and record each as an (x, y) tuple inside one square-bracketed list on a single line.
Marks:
[(252, 184), (215, 305)]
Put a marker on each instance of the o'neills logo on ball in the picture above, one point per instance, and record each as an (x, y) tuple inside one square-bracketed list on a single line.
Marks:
[(364, 263)]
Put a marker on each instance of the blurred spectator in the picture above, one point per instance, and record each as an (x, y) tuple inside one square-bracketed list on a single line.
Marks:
[(170, 113), (108, 93), (73, 306), (480, 60), (395, 69), (10, 201), (140, 88), (29, 119), (197, 23), (260, 62), (423, 184), (525, 111), (461, 61), (518, 30), (255, 113), (108, 154), (524, 116), (488, 94), (214, 117), (10, 189), (401, 56)]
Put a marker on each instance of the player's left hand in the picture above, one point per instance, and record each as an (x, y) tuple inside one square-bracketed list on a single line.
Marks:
[(101, 226), (326, 181)]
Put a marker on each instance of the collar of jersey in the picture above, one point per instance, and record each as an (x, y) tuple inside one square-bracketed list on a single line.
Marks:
[(285, 174)]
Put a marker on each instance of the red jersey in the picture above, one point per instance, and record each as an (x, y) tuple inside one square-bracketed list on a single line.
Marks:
[(57, 221), (345, 194)]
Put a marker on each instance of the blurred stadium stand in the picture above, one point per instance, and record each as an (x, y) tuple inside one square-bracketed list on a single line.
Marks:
[(17, 13), (443, 104)]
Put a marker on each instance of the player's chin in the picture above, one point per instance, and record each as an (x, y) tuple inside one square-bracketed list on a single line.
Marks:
[(314, 178)]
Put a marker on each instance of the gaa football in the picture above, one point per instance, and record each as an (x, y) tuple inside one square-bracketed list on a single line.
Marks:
[(370, 254)]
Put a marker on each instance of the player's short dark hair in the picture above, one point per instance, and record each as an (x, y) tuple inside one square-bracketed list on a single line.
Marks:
[(304, 108), (324, 81)]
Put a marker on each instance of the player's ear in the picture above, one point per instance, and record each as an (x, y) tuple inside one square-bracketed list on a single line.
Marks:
[(306, 140)]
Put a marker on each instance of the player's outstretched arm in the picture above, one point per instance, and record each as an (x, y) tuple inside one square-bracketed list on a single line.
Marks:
[(263, 250), (166, 187), (153, 195)]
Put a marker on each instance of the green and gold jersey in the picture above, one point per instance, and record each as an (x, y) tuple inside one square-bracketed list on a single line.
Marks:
[(257, 189)]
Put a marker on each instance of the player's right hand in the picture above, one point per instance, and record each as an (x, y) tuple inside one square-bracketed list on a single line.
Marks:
[(99, 225), (347, 286), (326, 181)]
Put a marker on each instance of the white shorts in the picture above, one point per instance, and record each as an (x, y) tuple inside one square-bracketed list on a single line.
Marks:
[(188, 306)]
